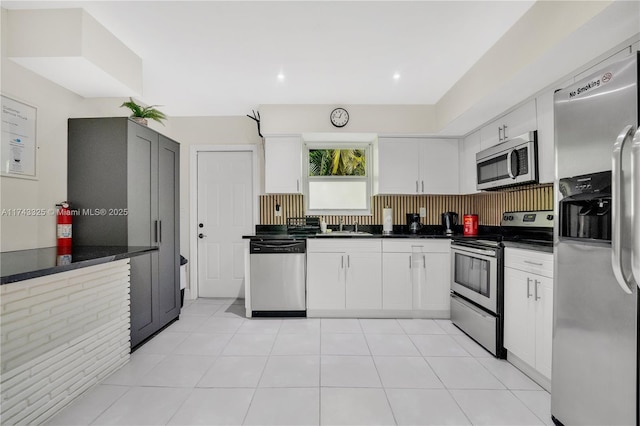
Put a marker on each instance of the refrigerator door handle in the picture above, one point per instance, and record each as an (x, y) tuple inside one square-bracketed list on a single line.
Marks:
[(616, 210), (635, 207)]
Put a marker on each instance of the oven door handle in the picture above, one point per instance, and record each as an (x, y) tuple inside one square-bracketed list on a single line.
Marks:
[(465, 249)]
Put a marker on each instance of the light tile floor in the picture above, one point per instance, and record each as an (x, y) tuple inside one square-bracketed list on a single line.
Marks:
[(215, 367)]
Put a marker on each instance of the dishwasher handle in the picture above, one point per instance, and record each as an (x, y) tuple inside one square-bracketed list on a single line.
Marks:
[(277, 246)]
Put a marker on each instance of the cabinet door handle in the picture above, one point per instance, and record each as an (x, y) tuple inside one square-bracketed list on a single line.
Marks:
[(342, 262), (410, 266), (528, 287), (416, 187), (157, 227), (424, 262), (298, 185), (504, 132), (535, 288), (500, 134), (533, 263), (160, 234), (423, 187), (348, 261)]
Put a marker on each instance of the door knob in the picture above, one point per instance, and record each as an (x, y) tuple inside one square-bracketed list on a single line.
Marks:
[(201, 236)]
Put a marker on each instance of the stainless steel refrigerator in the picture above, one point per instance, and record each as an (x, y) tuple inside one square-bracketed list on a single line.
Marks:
[(597, 249)]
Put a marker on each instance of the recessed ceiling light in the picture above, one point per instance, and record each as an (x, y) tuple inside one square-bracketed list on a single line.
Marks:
[(280, 77), (396, 76)]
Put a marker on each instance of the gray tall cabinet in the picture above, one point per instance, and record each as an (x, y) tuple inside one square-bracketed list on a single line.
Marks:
[(124, 179)]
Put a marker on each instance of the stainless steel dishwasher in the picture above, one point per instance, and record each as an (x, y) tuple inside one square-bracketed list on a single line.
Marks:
[(278, 278)]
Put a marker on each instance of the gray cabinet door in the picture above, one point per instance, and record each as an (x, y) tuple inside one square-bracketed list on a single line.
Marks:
[(143, 294), (169, 241), (142, 184)]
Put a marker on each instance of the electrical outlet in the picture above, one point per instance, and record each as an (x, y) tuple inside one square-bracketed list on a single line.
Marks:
[(423, 212)]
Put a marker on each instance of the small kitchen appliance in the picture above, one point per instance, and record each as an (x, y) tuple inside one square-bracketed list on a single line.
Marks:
[(470, 222), (510, 163), (449, 220), (413, 223)]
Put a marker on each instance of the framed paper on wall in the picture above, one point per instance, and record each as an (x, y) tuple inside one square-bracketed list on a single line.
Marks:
[(18, 153)]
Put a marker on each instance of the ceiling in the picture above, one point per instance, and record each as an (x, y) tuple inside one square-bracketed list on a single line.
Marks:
[(213, 58)]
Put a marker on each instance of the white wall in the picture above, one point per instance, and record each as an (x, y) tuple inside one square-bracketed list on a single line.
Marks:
[(382, 119)]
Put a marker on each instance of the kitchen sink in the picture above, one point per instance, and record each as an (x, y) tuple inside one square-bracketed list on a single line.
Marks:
[(346, 234)]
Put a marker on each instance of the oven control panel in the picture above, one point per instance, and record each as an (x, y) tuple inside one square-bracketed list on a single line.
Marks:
[(541, 218)]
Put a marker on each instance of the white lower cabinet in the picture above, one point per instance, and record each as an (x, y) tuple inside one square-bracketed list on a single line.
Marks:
[(378, 278), (325, 281), (363, 285), (344, 274), (528, 307), (416, 276)]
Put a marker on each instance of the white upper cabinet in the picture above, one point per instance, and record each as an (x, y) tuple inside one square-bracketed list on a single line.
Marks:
[(469, 147), (417, 166), (515, 123), (283, 165), (398, 165)]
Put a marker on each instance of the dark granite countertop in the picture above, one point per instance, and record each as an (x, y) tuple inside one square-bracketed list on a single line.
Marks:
[(22, 265), (279, 232)]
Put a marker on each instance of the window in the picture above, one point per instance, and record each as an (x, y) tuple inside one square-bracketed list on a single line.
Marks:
[(338, 178)]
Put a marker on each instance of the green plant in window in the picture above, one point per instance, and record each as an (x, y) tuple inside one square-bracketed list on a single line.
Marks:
[(337, 162)]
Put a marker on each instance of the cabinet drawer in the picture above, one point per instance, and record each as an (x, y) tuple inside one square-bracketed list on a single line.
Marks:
[(531, 261), (416, 245), (339, 245)]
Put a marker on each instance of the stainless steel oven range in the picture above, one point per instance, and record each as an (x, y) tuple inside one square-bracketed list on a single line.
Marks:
[(477, 283), (476, 290)]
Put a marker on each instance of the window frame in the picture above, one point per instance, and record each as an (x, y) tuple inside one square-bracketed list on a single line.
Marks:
[(367, 146)]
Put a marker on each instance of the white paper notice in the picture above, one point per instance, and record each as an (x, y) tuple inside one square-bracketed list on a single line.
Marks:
[(18, 154)]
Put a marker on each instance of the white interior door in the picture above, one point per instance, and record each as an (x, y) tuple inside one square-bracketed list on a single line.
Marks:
[(225, 202)]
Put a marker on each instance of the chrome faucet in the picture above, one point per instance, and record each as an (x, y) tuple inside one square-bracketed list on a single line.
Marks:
[(341, 223)]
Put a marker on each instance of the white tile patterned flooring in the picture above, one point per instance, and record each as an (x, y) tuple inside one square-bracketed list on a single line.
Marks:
[(215, 367)]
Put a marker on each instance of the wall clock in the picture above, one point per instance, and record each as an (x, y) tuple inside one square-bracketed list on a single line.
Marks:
[(339, 117)]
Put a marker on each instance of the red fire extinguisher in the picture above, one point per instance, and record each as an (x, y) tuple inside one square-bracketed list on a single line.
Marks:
[(64, 216)]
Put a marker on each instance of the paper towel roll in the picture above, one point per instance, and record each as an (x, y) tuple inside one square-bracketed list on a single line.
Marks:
[(387, 221)]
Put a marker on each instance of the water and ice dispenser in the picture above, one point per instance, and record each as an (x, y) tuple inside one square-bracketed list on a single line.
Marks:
[(585, 209)]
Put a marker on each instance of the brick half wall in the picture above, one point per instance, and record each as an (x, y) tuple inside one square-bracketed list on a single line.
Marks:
[(61, 334)]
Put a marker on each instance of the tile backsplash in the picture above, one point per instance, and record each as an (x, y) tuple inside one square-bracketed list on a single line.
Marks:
[(489, 206)]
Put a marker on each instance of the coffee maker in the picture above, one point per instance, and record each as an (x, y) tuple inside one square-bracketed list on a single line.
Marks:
[(449, 220), (413, 222)]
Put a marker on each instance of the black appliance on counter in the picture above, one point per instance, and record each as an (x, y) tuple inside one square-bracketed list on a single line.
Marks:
[(413, 223), (477, 274), (308, 225), (449, 220)]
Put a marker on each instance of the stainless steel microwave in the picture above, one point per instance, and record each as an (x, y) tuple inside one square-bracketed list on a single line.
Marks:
[(513, 162)]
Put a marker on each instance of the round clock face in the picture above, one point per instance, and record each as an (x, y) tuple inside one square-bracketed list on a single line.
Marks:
[(339, 117)]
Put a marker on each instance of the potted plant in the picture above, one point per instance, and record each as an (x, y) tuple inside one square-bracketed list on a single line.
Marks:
[(140, 114)]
